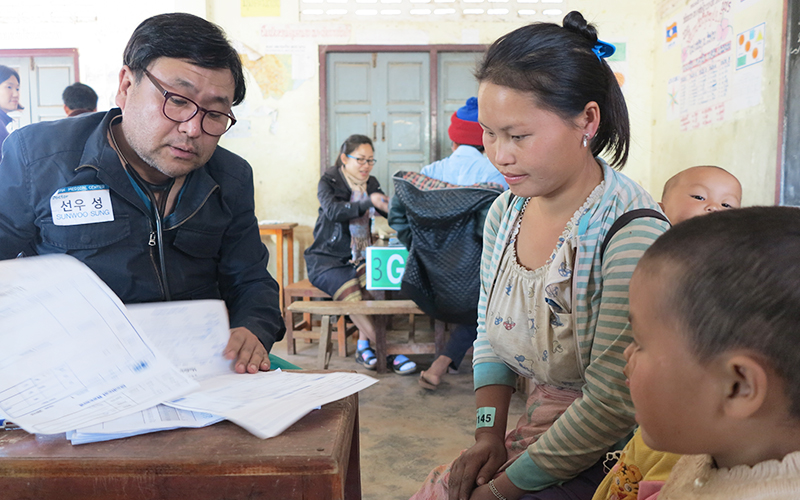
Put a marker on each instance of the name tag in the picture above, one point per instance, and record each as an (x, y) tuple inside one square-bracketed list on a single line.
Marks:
[(86, 204)]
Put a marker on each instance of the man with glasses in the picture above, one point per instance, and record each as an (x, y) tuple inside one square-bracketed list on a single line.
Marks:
[(143, 195)]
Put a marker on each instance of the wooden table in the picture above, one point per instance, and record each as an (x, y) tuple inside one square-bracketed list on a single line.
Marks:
[(316, 458), (281, 230)]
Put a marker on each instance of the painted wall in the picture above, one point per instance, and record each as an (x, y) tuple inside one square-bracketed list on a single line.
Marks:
[(279, 134), (745, 142)]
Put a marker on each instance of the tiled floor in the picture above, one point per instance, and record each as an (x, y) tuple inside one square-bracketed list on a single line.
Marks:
[(405, 430)]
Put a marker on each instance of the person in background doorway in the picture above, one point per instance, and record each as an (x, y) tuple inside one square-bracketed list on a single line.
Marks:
[(348, 196), (9, 100), (467, 166), (79, 99)]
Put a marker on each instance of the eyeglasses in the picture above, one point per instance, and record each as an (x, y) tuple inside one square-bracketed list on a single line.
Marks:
[(362, 161), (181, 109)]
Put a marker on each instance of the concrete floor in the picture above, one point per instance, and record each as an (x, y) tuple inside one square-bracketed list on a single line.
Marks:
[(405, 430)]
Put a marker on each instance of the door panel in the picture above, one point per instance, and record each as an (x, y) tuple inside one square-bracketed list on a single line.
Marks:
[(457, 83), (350, 99), (405, 78)]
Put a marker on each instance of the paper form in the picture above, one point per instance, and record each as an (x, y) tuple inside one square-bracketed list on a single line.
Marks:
[(158, 418), (267, 403), (70, 356), (193, 335)]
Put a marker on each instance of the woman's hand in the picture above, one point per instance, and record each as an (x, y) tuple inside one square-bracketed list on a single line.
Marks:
[(503, 485), (478, 463), (380, 201)]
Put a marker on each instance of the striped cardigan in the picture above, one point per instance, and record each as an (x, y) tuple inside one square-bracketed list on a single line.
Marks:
[(603, 416)]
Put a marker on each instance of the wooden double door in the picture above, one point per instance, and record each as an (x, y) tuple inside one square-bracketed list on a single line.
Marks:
[(401, 100)]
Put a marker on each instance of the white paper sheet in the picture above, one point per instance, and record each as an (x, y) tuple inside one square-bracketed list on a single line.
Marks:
[(158, 418), (268, 402), (70, 356), (193, 335)]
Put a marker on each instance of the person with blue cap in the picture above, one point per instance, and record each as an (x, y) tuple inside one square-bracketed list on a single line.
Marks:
[(467, 165)]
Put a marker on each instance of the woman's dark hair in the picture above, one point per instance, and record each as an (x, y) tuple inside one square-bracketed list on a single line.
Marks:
[(351, 144), (184, 36), (731, 281), (6, 73), (557, 65)]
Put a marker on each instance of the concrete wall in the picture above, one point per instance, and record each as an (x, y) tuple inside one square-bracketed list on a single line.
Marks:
[(279, 131)]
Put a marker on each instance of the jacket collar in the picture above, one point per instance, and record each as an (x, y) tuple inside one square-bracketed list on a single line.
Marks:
[(99, 155)]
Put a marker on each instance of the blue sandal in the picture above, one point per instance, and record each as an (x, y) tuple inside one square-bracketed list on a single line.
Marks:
[(367, 358), (401, 365)]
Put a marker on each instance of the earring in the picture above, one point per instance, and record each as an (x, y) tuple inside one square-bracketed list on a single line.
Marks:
[(585, 139)]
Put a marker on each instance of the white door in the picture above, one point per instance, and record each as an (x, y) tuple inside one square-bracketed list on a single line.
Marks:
[(42, 80)]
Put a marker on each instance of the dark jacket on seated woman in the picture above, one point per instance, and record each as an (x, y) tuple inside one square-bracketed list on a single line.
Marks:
[(331, 247)]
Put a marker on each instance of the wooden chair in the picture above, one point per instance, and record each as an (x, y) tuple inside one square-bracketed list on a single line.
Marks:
[(305, 291), (381, 310)]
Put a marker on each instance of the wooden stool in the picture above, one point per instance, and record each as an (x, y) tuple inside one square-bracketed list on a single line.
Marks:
[(306, 291), (380, 309)]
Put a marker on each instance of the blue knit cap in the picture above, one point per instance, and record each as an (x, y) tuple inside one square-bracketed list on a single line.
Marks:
[(469, 111)]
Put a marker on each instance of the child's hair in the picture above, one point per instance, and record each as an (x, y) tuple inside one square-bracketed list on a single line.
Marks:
[(735, 284), (672, 181), (557, 65), (351, 144)]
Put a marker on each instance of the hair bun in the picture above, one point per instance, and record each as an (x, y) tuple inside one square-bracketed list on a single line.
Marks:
[(575, 22)]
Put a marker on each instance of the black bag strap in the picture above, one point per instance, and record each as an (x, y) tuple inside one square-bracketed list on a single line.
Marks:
[(623, 221)]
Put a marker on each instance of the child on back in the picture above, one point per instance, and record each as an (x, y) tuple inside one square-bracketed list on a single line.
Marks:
[(640, 471), (713, 368)]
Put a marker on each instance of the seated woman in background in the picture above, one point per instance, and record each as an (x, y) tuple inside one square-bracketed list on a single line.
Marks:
[(553, 308), (348, 197)]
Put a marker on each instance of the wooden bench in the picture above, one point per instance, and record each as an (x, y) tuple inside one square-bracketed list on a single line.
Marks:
[(381, 310), (306, 291)]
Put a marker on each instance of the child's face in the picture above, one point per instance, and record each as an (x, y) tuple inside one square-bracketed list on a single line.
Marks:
[(701, 190), (671, 391)]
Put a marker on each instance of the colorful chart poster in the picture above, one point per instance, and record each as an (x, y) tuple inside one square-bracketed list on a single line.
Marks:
[(750, 46), (707, 62)]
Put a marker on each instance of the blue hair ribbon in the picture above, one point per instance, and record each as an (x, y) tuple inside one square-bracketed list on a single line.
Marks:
[(603, 49)]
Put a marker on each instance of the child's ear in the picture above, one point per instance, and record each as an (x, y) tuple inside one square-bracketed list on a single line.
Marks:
[(745, 386)]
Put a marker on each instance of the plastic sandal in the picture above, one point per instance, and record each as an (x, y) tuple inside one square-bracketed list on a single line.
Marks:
[(367, 358), (406, 367)]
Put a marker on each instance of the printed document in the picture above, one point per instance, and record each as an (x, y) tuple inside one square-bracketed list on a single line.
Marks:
[(71, 357)]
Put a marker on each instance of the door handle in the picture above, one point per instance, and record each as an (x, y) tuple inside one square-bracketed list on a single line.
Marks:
[(375, 131), (383, 131)]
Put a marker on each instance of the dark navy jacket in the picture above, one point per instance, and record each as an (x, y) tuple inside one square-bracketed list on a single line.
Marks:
[(211, 241)]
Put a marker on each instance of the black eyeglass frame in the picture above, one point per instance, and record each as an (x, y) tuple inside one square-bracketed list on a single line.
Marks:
[(167, 94)]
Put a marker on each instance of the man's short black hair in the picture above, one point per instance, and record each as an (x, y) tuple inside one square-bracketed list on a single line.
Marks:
[(731, 280), (184, 36), (79, 96)]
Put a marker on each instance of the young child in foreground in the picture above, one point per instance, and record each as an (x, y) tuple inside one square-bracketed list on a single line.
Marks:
[(640, 471), (713, 369)]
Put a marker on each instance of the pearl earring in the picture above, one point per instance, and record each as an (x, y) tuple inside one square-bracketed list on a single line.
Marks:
[(585, 139)]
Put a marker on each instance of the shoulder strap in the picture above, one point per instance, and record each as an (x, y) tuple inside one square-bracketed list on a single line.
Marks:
[(623, 221)]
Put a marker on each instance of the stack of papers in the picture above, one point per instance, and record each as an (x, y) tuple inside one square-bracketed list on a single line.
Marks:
[(75, 357)]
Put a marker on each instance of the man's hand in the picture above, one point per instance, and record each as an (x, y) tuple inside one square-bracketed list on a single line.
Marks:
[(247, 350), (477, 463)]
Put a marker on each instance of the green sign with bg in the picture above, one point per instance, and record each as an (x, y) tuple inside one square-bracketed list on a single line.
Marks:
[(385, 267)]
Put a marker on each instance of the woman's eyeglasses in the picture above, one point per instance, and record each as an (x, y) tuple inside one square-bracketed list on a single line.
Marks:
[(362, 161)]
